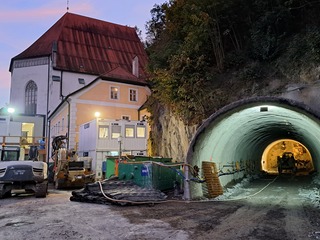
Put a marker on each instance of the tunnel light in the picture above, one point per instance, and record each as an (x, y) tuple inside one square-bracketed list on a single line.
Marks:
[(264, 109)]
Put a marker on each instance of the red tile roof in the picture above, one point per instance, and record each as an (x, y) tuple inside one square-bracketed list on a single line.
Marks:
[(90, 46)]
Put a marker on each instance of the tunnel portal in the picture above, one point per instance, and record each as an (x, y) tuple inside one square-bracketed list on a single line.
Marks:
[(239, 137)]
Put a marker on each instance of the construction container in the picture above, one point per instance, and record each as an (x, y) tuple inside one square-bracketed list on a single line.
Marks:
[(106, 137), (110, 167), (149, 174)]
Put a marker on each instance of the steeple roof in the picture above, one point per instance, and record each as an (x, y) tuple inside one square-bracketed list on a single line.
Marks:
[(82, 44)]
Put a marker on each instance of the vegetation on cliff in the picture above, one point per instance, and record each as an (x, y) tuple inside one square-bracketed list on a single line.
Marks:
[(206, 54)]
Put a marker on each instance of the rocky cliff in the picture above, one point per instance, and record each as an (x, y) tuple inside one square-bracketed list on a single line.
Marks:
[(171, 136)]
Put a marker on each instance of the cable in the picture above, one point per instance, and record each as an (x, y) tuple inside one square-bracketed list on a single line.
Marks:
[(252, 195), (132, 202), (182, 201)]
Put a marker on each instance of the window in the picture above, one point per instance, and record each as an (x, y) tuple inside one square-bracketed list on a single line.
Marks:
[(116, 131), (114, 93), (141, 131), (129, 131), (56, 78), (31, 98), (103, 131), (133, 95), (81, 81)]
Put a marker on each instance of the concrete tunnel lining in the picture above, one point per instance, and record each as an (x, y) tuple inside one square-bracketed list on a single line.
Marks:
[(241, 131)]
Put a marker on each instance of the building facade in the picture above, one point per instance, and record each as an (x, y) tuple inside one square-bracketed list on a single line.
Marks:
[(78, 67)]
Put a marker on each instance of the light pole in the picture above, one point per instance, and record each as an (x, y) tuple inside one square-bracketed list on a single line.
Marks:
[(119, 141), (10, 111)]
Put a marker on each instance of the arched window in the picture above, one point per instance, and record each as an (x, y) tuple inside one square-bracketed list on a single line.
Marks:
[(31, 98)]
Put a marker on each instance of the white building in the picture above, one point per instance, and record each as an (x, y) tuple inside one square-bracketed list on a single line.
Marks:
[(100, 138), (79, 66)]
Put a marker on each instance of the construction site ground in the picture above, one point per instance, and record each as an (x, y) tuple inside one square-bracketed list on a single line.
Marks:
[(265, 208)]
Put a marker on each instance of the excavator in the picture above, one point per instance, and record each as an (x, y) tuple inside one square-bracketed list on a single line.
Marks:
[(68, 170), (29, 175)]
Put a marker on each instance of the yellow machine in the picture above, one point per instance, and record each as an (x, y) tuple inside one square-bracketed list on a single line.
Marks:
[(69, 171)]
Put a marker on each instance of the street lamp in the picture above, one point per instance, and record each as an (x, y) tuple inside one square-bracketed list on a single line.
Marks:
[(10, 111), (97, 114), (119, 141)]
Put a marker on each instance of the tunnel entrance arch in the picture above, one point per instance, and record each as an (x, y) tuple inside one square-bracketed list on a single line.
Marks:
[(276, 150), (236, 136)]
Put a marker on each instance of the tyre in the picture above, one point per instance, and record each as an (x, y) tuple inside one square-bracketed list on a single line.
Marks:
[(41, 189), (4, 192)]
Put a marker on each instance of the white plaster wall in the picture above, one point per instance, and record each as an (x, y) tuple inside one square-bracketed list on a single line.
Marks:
[(70, 83), (19, 79), (73, 118)]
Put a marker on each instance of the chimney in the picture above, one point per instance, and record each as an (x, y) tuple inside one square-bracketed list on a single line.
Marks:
[(135, 66)]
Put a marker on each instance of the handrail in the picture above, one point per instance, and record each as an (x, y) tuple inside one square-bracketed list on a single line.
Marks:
[(22, 141)]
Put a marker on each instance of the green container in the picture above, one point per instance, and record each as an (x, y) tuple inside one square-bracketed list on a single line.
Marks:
[(149, 175), (154, 159), (110, 167)]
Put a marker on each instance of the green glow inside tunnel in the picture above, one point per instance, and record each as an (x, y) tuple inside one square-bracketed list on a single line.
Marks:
[(240, 133)]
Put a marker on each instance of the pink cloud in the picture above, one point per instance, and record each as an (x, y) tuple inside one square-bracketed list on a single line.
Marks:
[(46, 12), (4, 86), (5, 78)]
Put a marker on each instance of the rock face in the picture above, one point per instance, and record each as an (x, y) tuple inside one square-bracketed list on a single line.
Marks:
[(308, 94), (171, 137)]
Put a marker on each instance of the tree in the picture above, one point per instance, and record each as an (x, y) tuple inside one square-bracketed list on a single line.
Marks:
[(191, 43)]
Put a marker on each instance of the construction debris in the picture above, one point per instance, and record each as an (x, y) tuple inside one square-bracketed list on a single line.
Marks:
[(115, 191)]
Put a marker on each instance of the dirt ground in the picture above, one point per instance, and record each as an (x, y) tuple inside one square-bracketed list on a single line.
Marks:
[(266, 208)]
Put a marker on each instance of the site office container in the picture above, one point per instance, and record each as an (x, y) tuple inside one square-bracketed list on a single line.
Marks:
[(100, 138)]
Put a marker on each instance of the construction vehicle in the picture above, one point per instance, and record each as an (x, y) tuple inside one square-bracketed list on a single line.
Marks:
[(30, 175), (69, 171), (287, 163)]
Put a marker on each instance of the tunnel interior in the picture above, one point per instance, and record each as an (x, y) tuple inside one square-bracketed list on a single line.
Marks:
[(287, 150), (238, 138)]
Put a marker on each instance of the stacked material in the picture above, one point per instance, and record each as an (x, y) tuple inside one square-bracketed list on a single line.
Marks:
[(210, 174), (117, 191)]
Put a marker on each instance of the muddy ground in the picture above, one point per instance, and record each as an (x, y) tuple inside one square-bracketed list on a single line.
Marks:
[(265, 208)]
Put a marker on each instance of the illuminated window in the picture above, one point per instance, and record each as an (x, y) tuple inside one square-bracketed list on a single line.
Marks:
[(129, 131), (103, 131), (141, 131), (133, 95), (114, 93), (115, 131), (31, 98)]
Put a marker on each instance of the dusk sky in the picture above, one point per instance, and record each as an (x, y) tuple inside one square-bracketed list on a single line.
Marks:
[(22, 22)]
